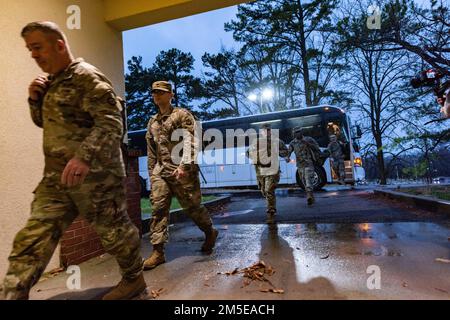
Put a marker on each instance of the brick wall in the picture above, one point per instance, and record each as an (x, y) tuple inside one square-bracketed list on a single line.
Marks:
[(80, 242)]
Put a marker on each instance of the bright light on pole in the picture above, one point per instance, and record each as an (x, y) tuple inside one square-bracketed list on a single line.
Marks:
[(253, 97), (267, 94)]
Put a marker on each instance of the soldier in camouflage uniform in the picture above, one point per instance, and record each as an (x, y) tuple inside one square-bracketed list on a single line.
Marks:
[(304, 147), (84, 169), (333, 129), (267, 167), (172, 175), (337, 155)]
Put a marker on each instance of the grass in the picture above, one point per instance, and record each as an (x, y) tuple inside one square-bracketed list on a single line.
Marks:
[(146, 208), (440, 192)]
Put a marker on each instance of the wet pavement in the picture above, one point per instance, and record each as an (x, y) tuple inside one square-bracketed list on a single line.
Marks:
[(349, 245)]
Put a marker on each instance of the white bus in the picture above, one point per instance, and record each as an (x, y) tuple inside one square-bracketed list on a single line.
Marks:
[(315, 122)]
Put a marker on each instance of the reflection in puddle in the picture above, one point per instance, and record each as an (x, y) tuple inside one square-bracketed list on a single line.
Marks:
[(232, 213)]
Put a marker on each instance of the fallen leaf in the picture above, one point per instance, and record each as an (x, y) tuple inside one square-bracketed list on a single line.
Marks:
[(57, 270), (442, 260), (155, 293), (405, 284), (233, 272), (441, 290), (279, 291)]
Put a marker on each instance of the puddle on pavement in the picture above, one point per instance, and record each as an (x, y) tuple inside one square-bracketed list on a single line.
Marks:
[(231, 214), (363, 239)]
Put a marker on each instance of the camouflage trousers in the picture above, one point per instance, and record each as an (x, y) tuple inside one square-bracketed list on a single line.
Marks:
[(100, 200), (307, 175), (267, 185), (187, 191), (339, 168)]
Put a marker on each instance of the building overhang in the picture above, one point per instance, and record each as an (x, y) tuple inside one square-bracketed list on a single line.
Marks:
[(126, 15)]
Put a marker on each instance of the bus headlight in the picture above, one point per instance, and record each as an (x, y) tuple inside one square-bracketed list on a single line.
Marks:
[(358, 162)]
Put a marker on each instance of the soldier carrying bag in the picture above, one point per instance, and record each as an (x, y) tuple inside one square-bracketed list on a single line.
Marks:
[(318, 156)]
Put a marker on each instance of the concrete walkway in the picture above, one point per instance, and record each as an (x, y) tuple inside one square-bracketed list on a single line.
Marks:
[(356, 240)]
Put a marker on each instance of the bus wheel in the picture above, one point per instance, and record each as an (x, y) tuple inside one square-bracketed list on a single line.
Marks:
[(319, 179)]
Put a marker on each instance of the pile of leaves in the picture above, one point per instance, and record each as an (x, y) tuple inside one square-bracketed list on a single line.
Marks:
[(258, 272)]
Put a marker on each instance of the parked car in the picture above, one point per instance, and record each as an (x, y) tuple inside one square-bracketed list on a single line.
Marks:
[(441, 180)]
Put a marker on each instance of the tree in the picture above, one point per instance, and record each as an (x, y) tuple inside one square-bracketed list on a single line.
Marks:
[(379, 81), (269, 68), (222, 85), (176, 66), (138, 95), (172, 65), (424, 32), (427, 141), (297, 29)]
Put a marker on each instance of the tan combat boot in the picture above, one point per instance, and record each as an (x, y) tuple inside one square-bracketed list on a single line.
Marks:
[(210, 241), (156, 258), (15, 295), (310, 198), (127, 289)]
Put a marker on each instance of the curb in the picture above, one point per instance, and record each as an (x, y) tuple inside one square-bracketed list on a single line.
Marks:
[(429, 204), (177, 215), (249, 192)]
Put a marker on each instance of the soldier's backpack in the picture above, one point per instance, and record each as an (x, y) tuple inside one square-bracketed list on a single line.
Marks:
[(318, 156)]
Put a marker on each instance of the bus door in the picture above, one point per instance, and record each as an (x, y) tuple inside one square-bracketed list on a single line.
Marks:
[(338, 126)]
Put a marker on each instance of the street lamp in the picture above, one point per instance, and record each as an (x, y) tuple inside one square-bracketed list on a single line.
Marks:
[(253, 97), (267, 94), (263, 94)]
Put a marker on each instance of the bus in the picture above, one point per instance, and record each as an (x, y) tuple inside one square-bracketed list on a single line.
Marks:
[(317, 122)]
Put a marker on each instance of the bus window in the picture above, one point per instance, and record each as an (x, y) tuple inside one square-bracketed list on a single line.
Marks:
[(311, 125)]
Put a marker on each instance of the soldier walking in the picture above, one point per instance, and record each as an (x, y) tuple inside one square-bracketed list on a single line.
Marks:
[(173, 177), (83, 128), (337, 156), (267, 166), (306, 150)]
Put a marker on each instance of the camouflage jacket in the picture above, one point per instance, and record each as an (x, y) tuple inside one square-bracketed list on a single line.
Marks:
[(335, 149), (303, 150), (164, 149), (260, 152), (81, 117)]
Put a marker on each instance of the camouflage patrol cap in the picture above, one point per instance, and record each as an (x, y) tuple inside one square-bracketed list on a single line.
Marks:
[(297, 130), (162, 86)]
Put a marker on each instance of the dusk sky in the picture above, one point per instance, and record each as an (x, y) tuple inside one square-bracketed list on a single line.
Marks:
[(196, 34)]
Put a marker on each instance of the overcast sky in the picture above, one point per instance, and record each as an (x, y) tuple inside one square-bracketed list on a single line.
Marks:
[(195, 34)]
